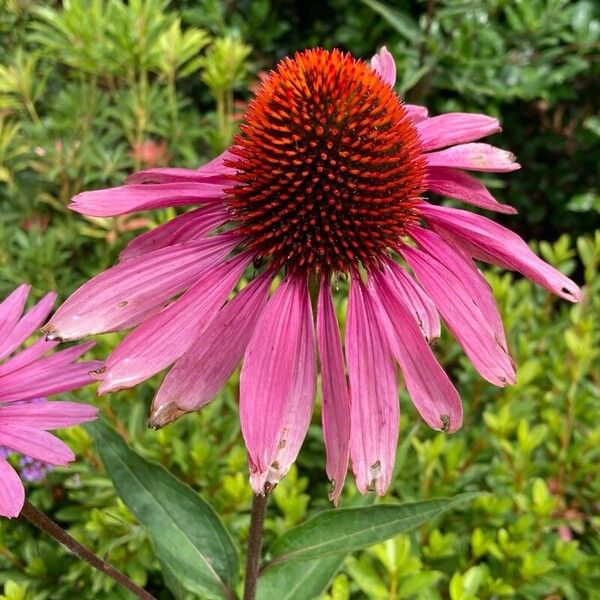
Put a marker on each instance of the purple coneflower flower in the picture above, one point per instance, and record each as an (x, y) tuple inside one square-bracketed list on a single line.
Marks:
[(25, 417), (326, 179)]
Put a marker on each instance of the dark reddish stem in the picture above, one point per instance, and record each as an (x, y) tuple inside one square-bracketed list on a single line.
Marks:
[(255, 539), (40, 520)]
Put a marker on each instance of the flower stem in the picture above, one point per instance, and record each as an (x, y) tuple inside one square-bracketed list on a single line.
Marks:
[(255, 539), (40, 520)]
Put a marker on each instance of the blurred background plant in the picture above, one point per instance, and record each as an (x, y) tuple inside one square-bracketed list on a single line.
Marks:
[(91, 90)]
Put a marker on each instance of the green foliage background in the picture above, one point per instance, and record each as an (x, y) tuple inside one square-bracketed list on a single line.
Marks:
[(90, 91)]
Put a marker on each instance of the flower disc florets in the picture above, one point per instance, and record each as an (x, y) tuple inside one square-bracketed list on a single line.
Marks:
[(329, 166)]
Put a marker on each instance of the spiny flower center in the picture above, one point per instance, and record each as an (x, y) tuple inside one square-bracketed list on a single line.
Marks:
[(329, 166)]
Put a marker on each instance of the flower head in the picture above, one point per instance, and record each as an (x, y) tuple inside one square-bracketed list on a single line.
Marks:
[(327, 179), (328, 167), (25, 415)]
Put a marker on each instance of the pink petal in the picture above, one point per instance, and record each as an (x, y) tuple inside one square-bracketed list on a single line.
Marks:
[(48, 364), (161, 340), (210, 361), (48, 415), (336, 399), (465, 319), (27, 356), (459, 185), (12, 493), (213, 170), (383, 64), (49, 375), (184, 228), (455, 128), (430, 389), (126, 199), (115, 297), (488, 241), (416, 113), (139, 318), (462, 265), (64, 380), (176, 175), (35, 443), (277, 383), (374, 410), (476, 157), (11, 309), (418, 302), (27, 325)]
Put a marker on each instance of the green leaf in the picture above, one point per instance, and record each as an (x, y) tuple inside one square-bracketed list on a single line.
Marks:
[(367, 578), (593, 124), (589, 201), (338, 531), (298, 580), (187, 533), (418, 582), (405, 25)]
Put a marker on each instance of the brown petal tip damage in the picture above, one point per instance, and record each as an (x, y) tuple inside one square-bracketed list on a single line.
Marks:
[(164, 415), (49, 331)]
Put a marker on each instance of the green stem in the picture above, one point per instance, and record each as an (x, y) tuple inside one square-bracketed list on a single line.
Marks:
[(40, 520), (255, 539), (173, 109), (221, 119)]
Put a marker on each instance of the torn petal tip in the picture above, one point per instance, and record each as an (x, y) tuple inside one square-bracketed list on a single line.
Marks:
[(445, 419), (575, 294), (164, 415), (333, 493), (50, 333), (375, 476), (97, 373)]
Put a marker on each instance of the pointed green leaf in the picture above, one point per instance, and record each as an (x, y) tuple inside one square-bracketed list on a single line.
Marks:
[(403, 23), (187, 533), (298, 580), (347, 529)]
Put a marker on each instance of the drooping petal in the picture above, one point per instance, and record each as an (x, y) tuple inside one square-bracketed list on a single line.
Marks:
[(336, 399), (418, 302), (63, 380), (12, 494), (210, 361), (277, 383), (27, 325), (36, 443), (160, 341), (211, 171), (459, 185), (456, 303), (383, 64), (184, 228), (462, 265), (144, 316), (27, 356), (430, 389), (48, 364), (49, 375), (374, 410), (163, 175), (11, 309), (118, 295), (416, 113), (486, 240), (48, 415), (475, 157), (125, 199), (455, 128)]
